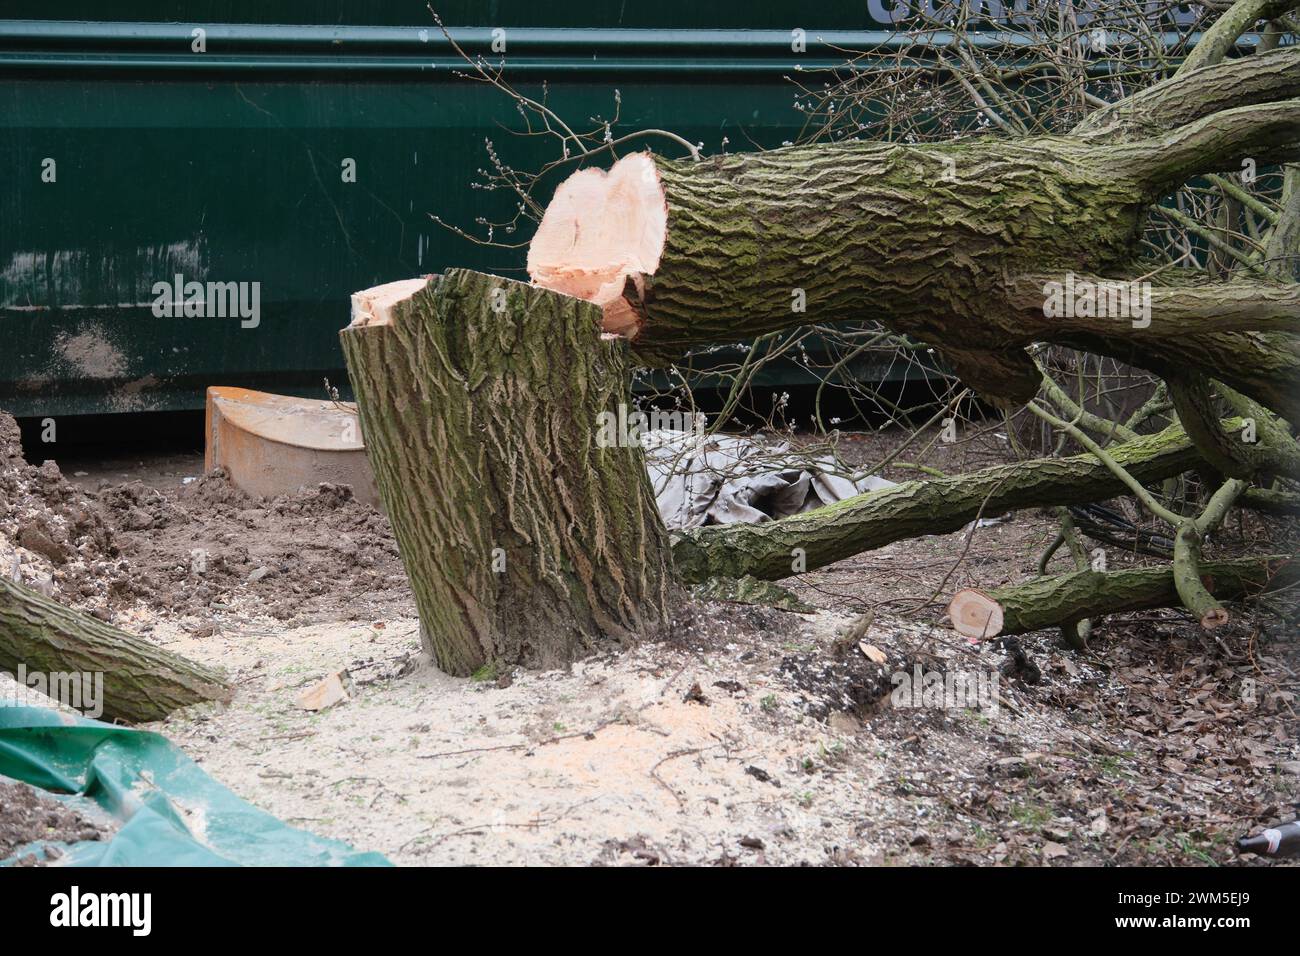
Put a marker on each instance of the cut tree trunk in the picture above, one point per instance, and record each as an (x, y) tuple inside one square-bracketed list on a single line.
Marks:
[(141, 682), (954, 244), (526, 539), (805, 542), (1061, 599)]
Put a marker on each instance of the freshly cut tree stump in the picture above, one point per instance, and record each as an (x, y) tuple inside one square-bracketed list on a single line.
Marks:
[(141, 682), (525, 541), (1062, 598)]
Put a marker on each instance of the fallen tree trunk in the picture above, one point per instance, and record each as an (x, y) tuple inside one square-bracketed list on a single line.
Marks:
[(1271, 501), (526, 540), (140, 682), (955, 244), (777, 549), (1061, 599)]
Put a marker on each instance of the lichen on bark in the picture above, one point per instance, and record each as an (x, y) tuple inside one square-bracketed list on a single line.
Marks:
[(525, 541)]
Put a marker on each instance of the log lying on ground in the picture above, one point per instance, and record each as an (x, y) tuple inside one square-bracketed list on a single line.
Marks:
[(141, 682), (525, 541), (1063, 598), (1270, 449), (777, 549), (1271, 501), (950, 243)]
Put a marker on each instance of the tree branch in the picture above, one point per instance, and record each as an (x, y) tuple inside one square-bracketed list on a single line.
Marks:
[(936, 506), (1216, 42), (1190, 96), (1264, 132)]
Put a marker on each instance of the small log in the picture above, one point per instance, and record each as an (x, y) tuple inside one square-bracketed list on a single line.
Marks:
[(1060, 599), (141, 682), (975, 615)]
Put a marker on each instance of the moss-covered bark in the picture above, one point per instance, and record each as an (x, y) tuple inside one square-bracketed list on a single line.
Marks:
[(950, 243), (1271, 501), (777, 549), (525, 541), (1056, 600), (919, 237), (1270, 448), (141, 682)]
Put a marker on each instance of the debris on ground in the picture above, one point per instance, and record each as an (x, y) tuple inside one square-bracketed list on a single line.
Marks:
[(27, 815)]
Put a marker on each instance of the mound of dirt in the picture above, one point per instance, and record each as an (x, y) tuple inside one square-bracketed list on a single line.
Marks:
[(201, 549), (52, 535), (314, 555)]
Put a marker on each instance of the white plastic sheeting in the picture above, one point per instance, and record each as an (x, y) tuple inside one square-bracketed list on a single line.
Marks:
[(724, 480)]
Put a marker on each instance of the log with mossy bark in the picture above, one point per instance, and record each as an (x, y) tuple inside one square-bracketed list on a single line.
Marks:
[(141, 682), (526, 539), (1058, 600), (953, 244), (805, 542)]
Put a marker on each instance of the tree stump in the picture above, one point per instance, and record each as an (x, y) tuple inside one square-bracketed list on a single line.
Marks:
[(526, 539)]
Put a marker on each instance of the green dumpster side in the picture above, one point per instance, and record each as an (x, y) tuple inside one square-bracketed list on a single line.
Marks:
[(135, 162), (228, 166)]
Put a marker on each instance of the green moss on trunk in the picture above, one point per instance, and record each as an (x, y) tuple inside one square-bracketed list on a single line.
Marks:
[(141, 682), (525, 541), (952, 244)]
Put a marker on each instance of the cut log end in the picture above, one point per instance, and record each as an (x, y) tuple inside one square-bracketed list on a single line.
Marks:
[(374, 306), (601, 230), (975, 615), (1215, 617)]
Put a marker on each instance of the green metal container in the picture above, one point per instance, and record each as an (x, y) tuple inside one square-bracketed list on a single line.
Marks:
[(131, 156)]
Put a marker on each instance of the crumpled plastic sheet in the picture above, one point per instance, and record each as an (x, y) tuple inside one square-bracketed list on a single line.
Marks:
[(171, 813), (723, 479)]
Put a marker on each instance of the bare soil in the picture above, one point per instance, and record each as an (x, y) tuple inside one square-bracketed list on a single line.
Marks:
[(190, 546), (28, 815)]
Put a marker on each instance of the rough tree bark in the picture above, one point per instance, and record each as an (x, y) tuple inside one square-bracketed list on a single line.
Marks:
[(950, 243), (480, 425), (141, 682), (965, 246), (1057, 600), (525, 541)]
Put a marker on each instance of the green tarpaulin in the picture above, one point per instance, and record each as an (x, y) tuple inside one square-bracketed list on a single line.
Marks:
[(170, 812)]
